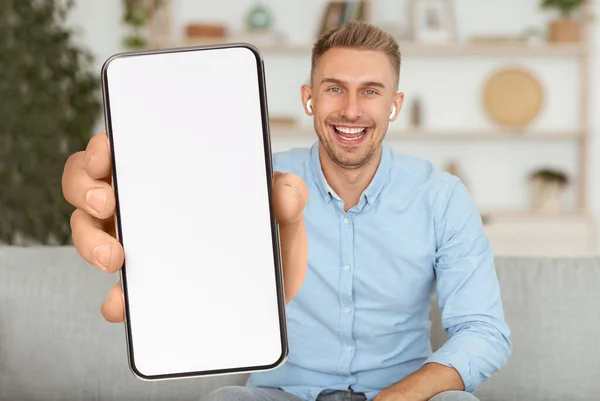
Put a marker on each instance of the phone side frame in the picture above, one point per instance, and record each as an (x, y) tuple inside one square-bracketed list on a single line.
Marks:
[(275, 235)]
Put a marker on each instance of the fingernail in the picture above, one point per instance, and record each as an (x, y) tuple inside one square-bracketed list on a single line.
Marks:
[(102, 255), (96, 199)]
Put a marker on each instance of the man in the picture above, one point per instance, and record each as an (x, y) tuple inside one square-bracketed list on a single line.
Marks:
[(381, 231)]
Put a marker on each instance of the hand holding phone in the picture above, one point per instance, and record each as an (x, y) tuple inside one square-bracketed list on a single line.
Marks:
[(91, 170), (85, 184)]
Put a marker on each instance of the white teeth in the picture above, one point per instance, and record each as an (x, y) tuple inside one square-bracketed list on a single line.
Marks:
[(351, 139), (354, 134), (350, 130)]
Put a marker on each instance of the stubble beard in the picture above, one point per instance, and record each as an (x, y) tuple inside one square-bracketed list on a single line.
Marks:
[(336, 152), (355, 162)]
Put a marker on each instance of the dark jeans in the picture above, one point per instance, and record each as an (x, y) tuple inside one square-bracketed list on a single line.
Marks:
[(241, 393)]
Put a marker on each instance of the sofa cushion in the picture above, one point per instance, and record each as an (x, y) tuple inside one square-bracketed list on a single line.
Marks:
[(551, 306), (55, 345)]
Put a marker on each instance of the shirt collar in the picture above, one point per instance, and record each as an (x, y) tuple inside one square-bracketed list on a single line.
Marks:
[(374, 188)]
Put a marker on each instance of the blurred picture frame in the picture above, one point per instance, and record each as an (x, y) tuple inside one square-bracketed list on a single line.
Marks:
[(338, 12), (434, 21)]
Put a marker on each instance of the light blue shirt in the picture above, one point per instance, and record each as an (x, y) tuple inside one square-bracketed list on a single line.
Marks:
[(362, 315)]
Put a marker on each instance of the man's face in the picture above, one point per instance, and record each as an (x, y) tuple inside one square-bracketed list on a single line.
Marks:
[(352, 95)]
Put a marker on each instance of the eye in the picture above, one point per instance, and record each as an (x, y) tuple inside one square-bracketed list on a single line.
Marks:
[(334, 89), (370, 92)]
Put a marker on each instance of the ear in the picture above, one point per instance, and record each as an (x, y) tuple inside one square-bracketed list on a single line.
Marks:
[(397, 104), (306, 95)]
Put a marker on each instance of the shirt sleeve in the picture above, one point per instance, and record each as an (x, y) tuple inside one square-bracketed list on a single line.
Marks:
[(468, 291)]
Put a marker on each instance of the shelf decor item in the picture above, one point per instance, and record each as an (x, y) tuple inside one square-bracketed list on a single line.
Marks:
[(196, 30), (416, 113), (547, 188), (259, 18), (337, 13), (434, 21), (453, 166), (513, 97), (137, 15), (565, 28)]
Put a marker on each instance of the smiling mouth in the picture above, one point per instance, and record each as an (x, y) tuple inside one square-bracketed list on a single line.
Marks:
[(350, 134)]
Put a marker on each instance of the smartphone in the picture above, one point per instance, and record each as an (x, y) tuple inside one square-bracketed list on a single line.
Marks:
[(192, 175)]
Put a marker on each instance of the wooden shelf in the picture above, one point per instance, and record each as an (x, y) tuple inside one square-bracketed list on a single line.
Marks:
[(282, 130), (537, 234), (407, 49), (512, 49), (483, 135), (264, 48), (525, 232)]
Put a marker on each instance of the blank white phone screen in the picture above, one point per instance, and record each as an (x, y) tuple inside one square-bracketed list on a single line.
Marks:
[(191, 170)]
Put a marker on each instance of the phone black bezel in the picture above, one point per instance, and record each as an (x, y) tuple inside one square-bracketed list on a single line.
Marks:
[(262, 90)]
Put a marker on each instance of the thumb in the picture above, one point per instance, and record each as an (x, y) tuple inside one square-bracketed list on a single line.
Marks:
[(289, 197)]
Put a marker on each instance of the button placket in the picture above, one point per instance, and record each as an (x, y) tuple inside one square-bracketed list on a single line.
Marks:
[(345, 295)]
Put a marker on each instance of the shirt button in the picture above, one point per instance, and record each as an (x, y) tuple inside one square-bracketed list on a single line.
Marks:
[(346, 220), (372, 200), (348, 349), (346, 267), (347, 310)]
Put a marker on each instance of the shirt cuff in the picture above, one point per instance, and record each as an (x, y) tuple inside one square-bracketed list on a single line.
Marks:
[(458, 361)]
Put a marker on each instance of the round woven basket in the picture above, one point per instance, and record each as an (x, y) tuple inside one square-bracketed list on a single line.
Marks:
[(513, 97)]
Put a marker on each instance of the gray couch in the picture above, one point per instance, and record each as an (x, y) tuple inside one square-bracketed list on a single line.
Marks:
[(54, 344)]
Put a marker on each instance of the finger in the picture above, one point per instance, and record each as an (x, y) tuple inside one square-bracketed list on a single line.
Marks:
[(113, 309), (93, 196), (93, 241), (97, 157), (290, 196)]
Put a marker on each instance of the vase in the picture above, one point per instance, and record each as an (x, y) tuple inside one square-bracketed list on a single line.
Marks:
[(259, 18), (564, 30), (547, 195)]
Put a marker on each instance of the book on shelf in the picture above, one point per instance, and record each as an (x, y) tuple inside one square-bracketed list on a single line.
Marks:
[(339, 12)]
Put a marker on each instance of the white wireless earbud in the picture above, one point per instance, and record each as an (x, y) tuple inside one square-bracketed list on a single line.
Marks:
[(309, 105), (393, 111)]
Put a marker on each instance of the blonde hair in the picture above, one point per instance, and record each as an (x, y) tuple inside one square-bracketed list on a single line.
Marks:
[(357, 35)]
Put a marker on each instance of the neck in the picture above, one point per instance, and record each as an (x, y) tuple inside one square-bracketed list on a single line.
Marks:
[(349, 184)]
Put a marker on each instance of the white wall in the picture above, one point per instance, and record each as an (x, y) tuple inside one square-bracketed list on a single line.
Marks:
[(496, 170)]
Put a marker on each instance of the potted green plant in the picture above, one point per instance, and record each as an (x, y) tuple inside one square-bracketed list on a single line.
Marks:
[(564, 28), (136, 15), (547, 187), (50, 103)]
